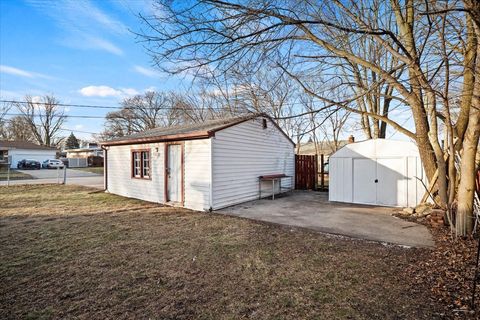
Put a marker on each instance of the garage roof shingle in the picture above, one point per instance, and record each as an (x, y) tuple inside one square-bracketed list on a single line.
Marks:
[(8, 145), (184, 132)]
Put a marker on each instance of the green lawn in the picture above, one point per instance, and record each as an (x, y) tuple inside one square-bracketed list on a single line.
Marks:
[(74, 252), (14, 175), (98, 170)]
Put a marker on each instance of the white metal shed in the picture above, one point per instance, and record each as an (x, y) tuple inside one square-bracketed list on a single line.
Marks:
[(377, 172), (204, 166)]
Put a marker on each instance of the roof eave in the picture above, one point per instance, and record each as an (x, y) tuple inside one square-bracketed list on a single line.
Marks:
[(166, 138)]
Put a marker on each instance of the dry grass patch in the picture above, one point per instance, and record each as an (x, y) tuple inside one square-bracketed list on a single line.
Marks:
[(13, 175), (58, 200), (68, 252)]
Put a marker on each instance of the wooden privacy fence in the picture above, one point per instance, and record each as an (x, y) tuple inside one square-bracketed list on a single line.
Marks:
[(306, 172)]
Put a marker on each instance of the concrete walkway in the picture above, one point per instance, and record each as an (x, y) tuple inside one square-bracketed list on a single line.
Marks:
[(312, 210)]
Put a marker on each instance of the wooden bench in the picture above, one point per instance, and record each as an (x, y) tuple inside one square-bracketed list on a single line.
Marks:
[(273, 178)]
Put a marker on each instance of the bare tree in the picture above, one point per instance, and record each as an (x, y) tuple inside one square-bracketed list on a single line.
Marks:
[(4, 108), (469, 129), (333, 128), (44, 117), (17, 128), (138, 113), (158, 109), (305, 39)]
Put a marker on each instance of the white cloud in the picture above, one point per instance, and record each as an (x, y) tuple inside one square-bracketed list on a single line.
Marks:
[(83, 22), (99, 91), (129, 91), (99, 43), (106, 91), (144, 7), (21, 73), (75, 14), (36, 99), (150, 89), (78, 126), (147, 72)]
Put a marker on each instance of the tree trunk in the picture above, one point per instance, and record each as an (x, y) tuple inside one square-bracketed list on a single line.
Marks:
[(425, 148), (466, 187), (468, 81)]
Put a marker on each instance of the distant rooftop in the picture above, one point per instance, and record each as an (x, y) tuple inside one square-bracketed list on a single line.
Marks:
[(6, 144), (324, 147)]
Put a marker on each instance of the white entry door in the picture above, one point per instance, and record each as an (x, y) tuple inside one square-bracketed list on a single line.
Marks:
[(364, 176), (174, 173)]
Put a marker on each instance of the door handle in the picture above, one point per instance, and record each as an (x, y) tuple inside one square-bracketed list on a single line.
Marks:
[(376, 180)]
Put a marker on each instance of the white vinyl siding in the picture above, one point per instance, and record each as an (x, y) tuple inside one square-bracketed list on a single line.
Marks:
[(119, 168), (244, 152), (218, 172), (197, 177)]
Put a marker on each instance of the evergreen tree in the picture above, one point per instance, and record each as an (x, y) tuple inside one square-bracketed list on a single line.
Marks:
[(72, 142)]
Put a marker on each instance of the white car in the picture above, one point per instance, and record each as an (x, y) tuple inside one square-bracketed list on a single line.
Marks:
[(52, 164)]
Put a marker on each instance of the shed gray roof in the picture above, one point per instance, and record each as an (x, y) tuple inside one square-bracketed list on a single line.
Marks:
[(8, 145), (184, 132)]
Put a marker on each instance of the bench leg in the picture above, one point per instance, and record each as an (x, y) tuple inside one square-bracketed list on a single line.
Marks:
[(259, 189), (273, 189)]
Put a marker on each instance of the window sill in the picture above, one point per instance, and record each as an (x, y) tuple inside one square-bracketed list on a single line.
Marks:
[(140, 178)]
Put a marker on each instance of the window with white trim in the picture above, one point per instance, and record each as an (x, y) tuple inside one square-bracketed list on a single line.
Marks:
[(141, 164)]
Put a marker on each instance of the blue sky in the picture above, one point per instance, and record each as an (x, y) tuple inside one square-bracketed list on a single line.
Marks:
[(81, 51)]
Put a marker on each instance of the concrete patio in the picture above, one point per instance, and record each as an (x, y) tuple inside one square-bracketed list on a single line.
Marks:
[(312, 210)]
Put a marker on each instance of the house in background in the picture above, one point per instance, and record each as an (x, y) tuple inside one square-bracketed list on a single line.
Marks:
[(14, 151), (323, 147), (84, 152), (89, 155), (205, 166)]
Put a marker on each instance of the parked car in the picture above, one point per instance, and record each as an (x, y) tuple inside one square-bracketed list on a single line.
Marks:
[(65, 161), (52, 164), (28, 164)]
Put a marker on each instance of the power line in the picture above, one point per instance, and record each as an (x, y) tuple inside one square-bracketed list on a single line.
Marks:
[(62, 116), (105, 107), (63, 104), (79, 131), (121, 107)]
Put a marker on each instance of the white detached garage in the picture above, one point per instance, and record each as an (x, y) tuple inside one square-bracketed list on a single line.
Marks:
[(377, 172), (15, 151), (204, 166)]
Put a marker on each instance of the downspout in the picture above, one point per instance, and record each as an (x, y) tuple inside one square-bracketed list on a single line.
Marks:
[(105, 168), (211, 175)]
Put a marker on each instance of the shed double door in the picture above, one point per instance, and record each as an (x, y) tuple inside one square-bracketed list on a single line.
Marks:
[(379, 181)]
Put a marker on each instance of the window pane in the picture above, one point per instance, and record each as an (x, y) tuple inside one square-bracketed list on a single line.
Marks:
[(146, 164), (136, 164)]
